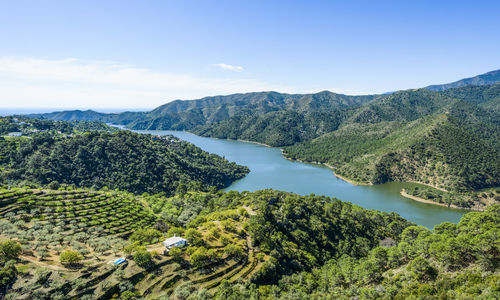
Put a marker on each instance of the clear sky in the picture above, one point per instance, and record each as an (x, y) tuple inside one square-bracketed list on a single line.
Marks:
[(141, 54)]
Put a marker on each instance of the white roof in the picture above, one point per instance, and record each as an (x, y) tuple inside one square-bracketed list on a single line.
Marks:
[(173, 240)]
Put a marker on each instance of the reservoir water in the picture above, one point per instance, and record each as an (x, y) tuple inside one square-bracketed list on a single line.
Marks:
[(269, 169)]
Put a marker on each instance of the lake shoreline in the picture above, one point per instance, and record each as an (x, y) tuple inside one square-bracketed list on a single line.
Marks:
[(270, 169), (422, 200), (351, 181), (354, 182)]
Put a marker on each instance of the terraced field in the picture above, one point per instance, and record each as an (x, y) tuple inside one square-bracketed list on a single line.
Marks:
[(96, 224), (48, 221)]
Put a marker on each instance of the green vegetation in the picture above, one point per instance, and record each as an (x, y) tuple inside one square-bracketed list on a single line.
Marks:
[(277, 128), (143, 258), (9, 252), (47, 222), (145, 236), (266, 244), (186, 115), (301, 233), (465, 199), (454, 261), (444, 136), (122, 160), (437, 151), (58, 241), (70, 257)]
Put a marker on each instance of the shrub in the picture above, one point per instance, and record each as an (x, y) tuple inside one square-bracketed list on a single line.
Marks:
[(421, 269), (228, 225), (194, 237), (243, 212), (175, 253), (232, 250), (225, 239), (178, 231), (143, 258), (70, 257), (54, 185), (200, 257), (146, 236), (132, 248), (10, 249)]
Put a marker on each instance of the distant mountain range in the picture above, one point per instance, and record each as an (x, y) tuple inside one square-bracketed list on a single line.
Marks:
[(187, 114), (483, 79)]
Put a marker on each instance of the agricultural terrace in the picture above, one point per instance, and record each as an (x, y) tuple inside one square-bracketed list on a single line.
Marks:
[(100, 226), (47, 222)]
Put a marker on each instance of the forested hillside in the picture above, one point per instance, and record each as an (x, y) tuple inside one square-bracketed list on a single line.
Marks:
[(277, 129), (122, 160), (454, 261), (90, 115), (233, 237), (438, 151)]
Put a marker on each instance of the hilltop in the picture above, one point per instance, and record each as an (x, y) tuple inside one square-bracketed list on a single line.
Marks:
[(120, 160)]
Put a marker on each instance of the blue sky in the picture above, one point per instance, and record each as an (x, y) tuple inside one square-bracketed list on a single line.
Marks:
[(139, 54)]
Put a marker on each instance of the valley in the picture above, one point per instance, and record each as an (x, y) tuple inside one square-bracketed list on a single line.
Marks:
[(87, 210)]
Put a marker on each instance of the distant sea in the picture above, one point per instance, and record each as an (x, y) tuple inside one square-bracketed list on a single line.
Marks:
[(25, 111)]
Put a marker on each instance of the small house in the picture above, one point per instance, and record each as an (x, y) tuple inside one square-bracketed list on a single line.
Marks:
[(174, 241)]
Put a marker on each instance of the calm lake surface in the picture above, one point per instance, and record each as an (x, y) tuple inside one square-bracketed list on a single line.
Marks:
[(268, 169)]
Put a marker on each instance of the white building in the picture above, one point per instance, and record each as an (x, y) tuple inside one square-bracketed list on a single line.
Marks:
[(174, 241), (15, 134)]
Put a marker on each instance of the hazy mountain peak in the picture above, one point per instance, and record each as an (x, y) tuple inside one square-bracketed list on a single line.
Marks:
[(483, 79)]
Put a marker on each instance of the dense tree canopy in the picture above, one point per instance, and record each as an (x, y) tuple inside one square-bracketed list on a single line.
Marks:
[(124, 160)]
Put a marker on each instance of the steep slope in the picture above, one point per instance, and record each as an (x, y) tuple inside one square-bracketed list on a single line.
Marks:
[(125, 160), (454, 261), (285, 127), (486, 78), (406, 105), (233, 237), (475, 94), (279, 128), (437, 150)]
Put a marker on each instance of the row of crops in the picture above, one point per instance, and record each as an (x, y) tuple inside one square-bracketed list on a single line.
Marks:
[(49, 220)]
